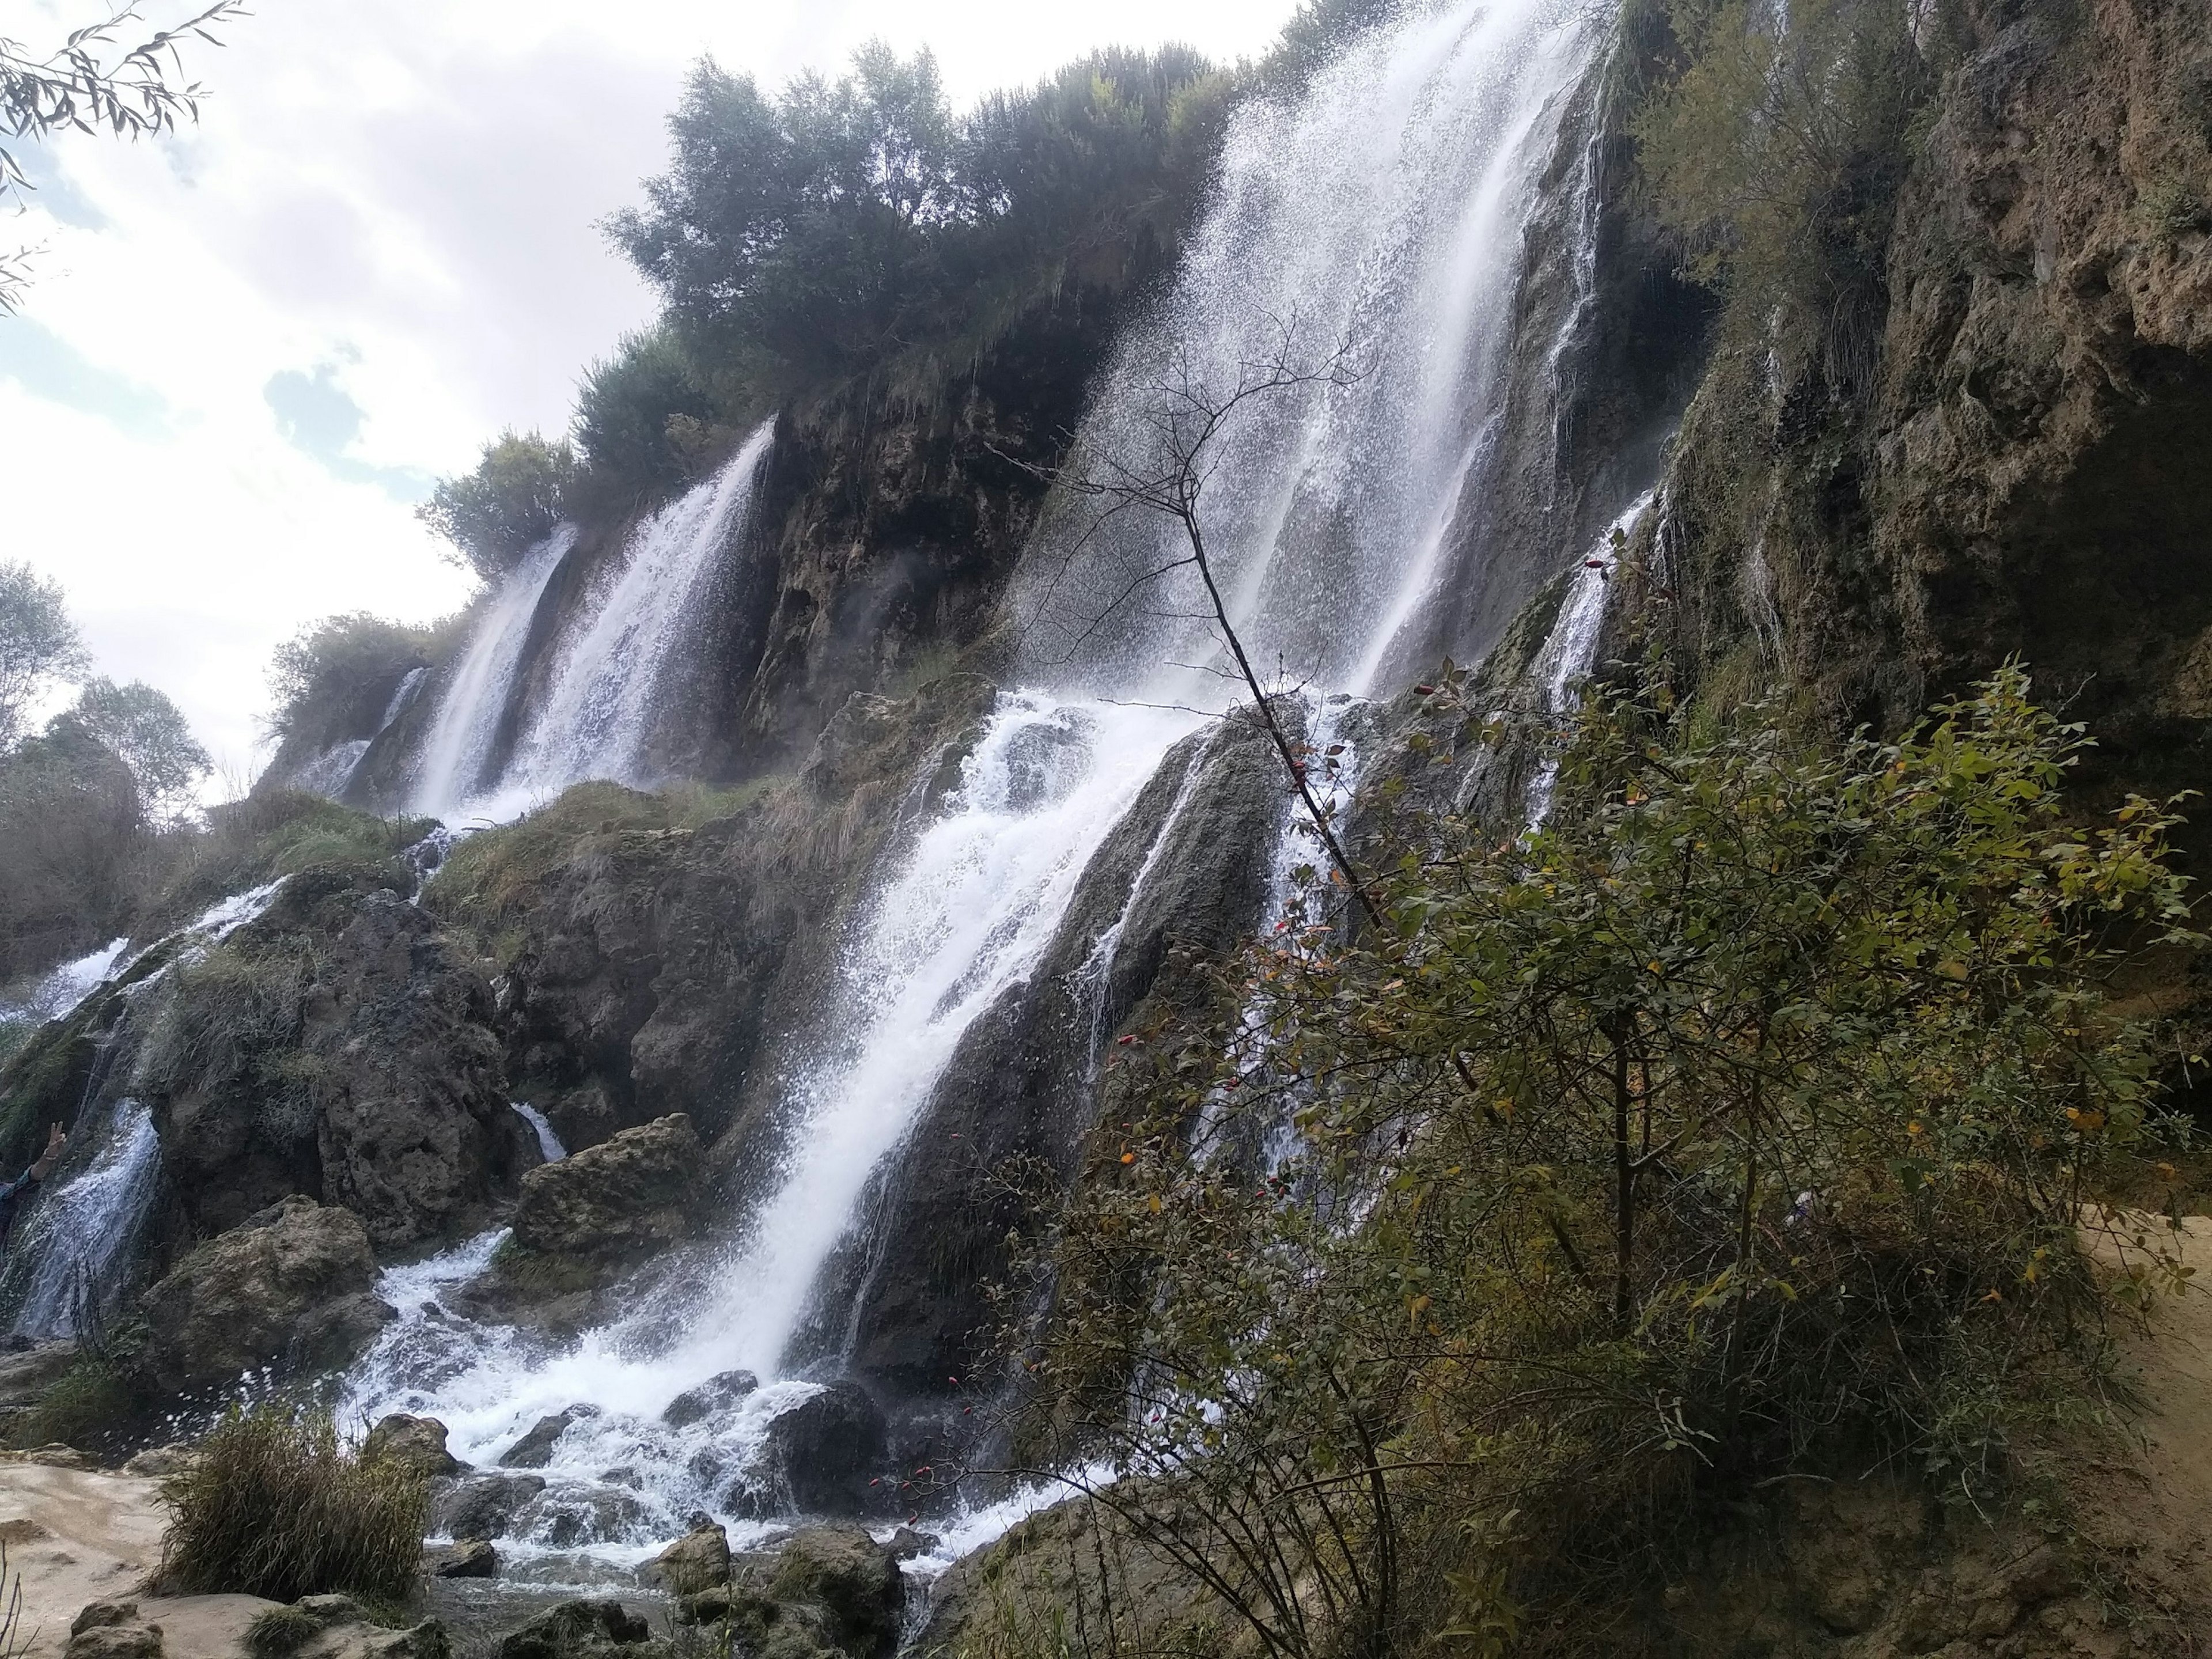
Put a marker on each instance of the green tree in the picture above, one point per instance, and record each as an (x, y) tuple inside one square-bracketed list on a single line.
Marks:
[(98, 79), (797, 223), (1741, 1122), (40, 646), (512, 501), (150, 735)]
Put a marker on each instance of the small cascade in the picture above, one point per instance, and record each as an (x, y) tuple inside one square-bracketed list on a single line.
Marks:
[(1563, 663), (548, 1144), (80, 1235), (57, 995), (611, 680), (78, 1228), (450, 772), (330, 774)]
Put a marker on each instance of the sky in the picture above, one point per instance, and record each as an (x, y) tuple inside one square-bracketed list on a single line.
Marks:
[(249, 349)]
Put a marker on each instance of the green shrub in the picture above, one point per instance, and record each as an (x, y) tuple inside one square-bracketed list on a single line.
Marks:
[(334, 678), (626, 408), (275, 1506), (512, 500), (1738, 1125), (1777, 156), (84, 1404)]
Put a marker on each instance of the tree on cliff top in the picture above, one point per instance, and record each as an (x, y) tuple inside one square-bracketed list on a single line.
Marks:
[(40, 646), (494, 515)]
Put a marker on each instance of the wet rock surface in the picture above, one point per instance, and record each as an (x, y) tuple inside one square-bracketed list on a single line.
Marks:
[(577, 1629), (413, 1443), (617, 1202), (819, 1457), (293, 1285), (370, 1077)]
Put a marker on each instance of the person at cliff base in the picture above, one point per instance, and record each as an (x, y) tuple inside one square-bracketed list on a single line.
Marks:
[(11, 1193)]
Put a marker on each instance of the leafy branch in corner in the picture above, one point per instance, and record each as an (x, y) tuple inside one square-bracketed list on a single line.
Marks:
[(97, 81)]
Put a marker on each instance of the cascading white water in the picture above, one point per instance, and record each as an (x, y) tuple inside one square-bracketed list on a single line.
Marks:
[(58, 994), (1563, 663), (611, 676), (76, 1236), (1381, 213), (969, 910), (1384, 206), (451, 770)]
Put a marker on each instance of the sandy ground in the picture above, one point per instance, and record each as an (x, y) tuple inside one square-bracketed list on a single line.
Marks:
[(2148, 1508), (75, 1536)]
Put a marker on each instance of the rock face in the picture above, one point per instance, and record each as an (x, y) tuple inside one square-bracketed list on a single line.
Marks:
[(576, 1629), (2019, 468), (335, 1047), (414, 1442), (697, 1561), (482, 1506), (293, 1285), (617, 1202), (829, 1591), (820, 1455)]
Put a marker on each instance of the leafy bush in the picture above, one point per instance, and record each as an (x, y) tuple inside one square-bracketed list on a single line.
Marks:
[(334, 678), (512, 500), (626, 408), (1777, 155), (275, 1506), (1741, 1122)]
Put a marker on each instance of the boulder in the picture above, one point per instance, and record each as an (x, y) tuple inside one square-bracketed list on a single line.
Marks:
[(575, 1630), (413, 1442), (482, 1506), (123, 1641), (822, 1453), (830, 1590), (696, 1562), (723, 1389), (293, 1286), (617, 1203), (472, 1558), (534, 1450), (97, 1614)]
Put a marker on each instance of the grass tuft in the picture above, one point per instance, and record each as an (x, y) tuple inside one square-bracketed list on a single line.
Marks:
[(277, 1507), (279, 1632)]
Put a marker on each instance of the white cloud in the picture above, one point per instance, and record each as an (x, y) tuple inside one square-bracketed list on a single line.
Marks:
[(396, 201)]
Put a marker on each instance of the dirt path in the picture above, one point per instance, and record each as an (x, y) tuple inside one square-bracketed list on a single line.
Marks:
[(2148, 1510)]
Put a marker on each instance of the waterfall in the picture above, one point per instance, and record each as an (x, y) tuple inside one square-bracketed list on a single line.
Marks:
[(459, 748), (1381, 208), (77, 1238), (1380, 213), (611, 680), (1563, 662), (612, 675), (57, 995)]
